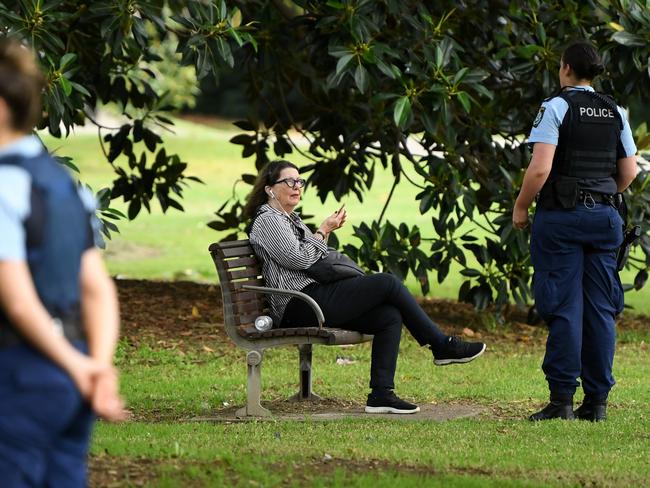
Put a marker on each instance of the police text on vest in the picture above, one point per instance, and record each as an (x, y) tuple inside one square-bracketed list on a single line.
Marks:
[(596, 112)]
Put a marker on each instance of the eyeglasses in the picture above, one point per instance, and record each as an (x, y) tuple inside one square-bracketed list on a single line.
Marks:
[(292, 182)]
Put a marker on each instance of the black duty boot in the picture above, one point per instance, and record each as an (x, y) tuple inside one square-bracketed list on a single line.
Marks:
[(560, 407), (592, 410)]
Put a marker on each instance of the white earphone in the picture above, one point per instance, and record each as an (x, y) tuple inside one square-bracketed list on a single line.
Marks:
[(271, 194)]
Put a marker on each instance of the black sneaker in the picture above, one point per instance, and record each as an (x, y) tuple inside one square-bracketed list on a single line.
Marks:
[(456, 350), (389, 403)]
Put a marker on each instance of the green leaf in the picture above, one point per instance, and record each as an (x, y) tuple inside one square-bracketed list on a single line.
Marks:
[(361, 78), (459, 75), (66, 59), (343, 62), (235, 35), (470, 273), (426, 202), (401, 111), (387, 70), (65, 85), (528, 51), (439, 56), (541, 33), (628, 39), (334, 4), (464, 100), (79, 88), (134, 209)]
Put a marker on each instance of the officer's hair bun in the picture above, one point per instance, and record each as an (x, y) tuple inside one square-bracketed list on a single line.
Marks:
[(597, 69), (584, 60)]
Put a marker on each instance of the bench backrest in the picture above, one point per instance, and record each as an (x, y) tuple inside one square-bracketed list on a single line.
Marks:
[(237, 266)]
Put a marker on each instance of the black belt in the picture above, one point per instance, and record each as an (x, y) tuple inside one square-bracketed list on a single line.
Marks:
[(589, 197), (71, 329)]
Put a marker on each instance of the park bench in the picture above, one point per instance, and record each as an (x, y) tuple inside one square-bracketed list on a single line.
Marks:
[(243, 292)]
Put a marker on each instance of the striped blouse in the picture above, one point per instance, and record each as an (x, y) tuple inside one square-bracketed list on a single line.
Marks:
[(285, 247)]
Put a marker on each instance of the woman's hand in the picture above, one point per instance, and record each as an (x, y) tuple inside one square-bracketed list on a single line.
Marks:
[(334, 221)]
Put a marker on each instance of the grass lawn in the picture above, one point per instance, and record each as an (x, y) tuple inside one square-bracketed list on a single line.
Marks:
[(174, 245), (499, 448)]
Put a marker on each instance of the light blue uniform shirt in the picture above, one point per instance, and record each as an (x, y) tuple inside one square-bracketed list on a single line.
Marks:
[(15, 195), (546, 127)]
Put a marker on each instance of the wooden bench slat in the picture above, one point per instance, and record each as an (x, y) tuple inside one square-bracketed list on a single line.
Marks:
[(333, 336), (241, 262), (236, 252), (245, 273), (249, 307), (237, 285), (226, 244), (246, 296)]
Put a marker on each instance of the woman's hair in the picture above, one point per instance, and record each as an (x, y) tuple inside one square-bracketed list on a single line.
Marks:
[(268, 175), (583, 59), (21, 84)]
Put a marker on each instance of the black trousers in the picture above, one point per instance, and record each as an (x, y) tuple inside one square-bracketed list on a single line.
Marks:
[(375, 304)]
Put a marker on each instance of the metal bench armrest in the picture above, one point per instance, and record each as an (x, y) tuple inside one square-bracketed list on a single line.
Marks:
[(298, 294)]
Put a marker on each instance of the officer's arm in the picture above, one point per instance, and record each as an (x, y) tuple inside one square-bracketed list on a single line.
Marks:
[(536, 174), (100, 313), (99, 307), (21, 304), (627, 170)]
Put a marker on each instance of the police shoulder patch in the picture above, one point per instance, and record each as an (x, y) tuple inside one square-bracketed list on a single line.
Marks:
[(539, 117)]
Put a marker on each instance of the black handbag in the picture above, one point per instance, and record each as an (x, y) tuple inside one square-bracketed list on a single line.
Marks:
[(334, 267)]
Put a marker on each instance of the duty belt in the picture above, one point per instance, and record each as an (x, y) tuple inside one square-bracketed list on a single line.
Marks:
[(70, 328), (590, 198)]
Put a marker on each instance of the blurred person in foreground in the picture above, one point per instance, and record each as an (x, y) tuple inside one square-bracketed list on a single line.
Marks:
[(59, 315)]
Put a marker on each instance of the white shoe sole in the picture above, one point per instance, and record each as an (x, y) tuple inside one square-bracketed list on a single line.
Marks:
[(390, 410), (444, 362)]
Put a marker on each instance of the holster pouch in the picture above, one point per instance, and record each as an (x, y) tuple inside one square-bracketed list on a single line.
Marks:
[(565, 192), (560, 194)]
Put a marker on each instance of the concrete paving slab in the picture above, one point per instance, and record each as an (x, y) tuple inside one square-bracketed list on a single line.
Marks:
[(435, 412)]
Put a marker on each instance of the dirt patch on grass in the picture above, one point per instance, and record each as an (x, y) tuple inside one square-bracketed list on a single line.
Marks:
[(113, 471), (171, 314), (184, 315), (107, 471)]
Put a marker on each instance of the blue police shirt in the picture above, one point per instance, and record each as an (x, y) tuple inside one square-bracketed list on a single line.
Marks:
[(15, 196)]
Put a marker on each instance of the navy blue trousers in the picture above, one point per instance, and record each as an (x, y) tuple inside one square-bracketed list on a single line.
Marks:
[(45, 425), (375, 304), (578, 293)]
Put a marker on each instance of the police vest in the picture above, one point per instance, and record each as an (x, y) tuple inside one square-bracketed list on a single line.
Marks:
[(588, 137), (58, 231)]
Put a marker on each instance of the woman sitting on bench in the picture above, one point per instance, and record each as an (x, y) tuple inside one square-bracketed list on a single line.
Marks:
[(375, 304)]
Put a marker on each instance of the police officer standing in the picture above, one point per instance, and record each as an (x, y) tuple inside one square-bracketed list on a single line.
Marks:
[(58, 306), (583, 156)]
